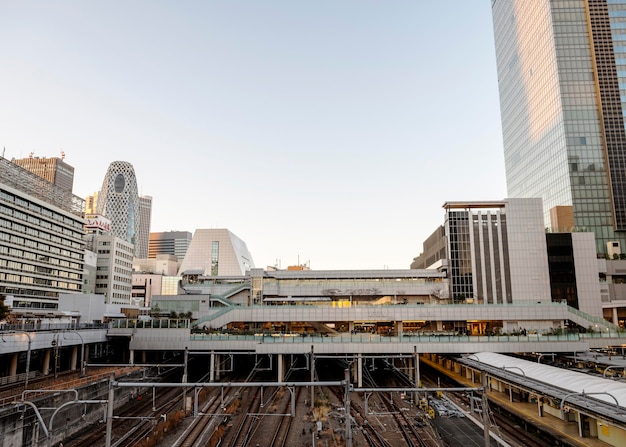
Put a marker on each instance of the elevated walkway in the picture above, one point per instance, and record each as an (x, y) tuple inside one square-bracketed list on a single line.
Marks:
[(555, 313), (177, 339)]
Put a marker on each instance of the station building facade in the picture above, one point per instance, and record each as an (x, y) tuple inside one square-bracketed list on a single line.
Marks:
[(500, 253)]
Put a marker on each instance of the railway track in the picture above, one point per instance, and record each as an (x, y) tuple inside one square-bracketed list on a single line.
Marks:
[(504, 424), (221, 410), (133, 422)]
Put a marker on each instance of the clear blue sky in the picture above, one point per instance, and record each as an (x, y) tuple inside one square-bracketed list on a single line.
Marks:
[(328, 132)]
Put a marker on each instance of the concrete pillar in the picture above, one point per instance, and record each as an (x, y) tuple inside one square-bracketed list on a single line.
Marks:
[(13, 365), (218, 373), (212, 367), (45, 367), (143, 357), (281, 368), (74, 357), (86, 355), (359, 371), (581, 420), (615, 318), (351, 326), (131, 358), (398, 327), (354, 373), (440, 325), (418, 378)]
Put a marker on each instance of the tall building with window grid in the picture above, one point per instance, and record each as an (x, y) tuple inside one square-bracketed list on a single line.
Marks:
[(42, 247), (143, 236), (52, 169), (169, 243), (562, 80)]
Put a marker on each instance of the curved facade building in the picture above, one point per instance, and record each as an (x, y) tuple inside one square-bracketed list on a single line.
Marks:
[(118, 200)]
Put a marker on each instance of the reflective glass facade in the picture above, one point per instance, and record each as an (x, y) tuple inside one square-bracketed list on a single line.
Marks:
[(563, 93)]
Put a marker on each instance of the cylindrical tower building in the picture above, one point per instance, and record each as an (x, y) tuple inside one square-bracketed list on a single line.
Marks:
[(118, 200)]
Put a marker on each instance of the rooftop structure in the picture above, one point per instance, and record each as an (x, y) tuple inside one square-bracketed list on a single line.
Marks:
[(52, 169), (23, 180)]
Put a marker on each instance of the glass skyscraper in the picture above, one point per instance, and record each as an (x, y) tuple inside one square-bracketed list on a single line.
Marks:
[(562, 79)]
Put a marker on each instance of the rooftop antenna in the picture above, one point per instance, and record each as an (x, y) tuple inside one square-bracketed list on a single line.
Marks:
[(62, 155)]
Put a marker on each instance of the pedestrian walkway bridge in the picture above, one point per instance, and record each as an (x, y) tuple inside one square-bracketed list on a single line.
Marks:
[(179, 339)]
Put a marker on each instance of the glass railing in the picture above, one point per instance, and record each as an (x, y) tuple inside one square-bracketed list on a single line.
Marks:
[(212, 316), (595, 320), (33, 327), (161, 323), (374, 338)]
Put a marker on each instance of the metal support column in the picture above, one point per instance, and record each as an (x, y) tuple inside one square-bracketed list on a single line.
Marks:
[(312, 378), (281, 368), (109, 428), (346, 405), (186, 359), (485, 405)]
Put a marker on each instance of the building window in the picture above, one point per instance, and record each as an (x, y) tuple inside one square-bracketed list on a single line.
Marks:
[(215, 254)]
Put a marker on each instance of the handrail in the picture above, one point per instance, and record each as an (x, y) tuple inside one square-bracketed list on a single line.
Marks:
[(212, 316)]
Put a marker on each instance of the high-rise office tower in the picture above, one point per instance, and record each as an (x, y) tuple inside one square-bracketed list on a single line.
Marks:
[(145, 215), (562, 79), (91, 204), (118, 200), (53, 169), (170, 243)]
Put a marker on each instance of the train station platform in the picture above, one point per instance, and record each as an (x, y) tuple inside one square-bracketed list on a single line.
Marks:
[(528, 412)]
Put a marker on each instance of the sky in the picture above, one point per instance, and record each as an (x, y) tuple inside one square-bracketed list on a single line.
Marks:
[(326, 133)]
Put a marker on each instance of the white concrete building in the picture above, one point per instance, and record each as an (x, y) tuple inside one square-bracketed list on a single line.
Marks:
[(217, 252)]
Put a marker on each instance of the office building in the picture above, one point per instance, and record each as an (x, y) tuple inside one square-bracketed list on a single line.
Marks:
[(217, 252), (562, 81), (118, 200), (169, 243), (499, 253), (145, 217), (91, 204), (41, 232), (113, 259), (114, 267), (52, 169)]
